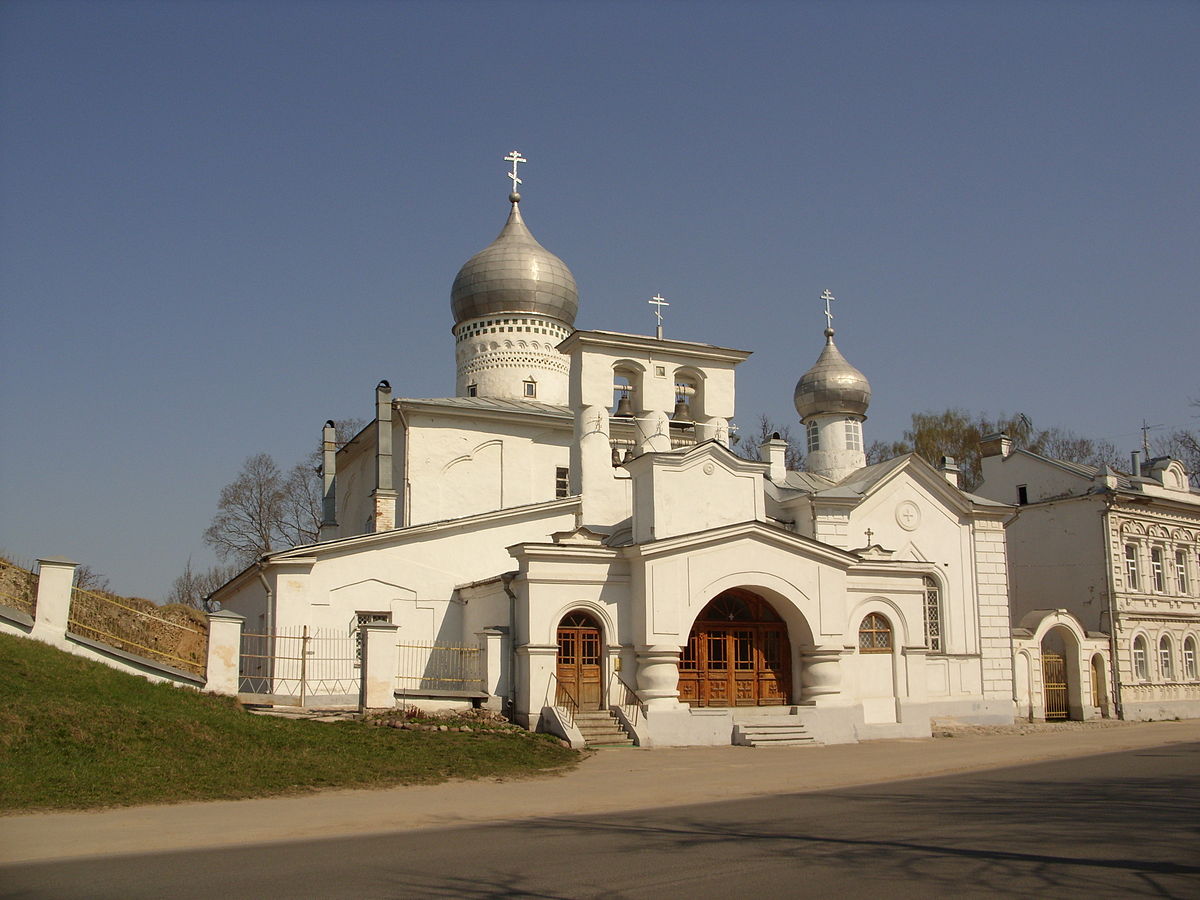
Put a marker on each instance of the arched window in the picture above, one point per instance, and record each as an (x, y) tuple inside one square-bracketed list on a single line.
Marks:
[(1141, 666), (814, 437), (875, 634), (853, 435), (1166, 664), (933, 615), (1189, 659)]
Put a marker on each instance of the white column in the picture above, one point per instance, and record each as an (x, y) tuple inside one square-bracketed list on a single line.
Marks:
[(55, 577), (377, 689), (224, 652), (821, 676), (494, 659)]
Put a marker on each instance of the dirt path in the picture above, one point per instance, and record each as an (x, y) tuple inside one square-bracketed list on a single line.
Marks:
[(605, 782)]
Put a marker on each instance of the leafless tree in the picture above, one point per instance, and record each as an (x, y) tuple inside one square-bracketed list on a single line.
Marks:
[(264, 509), (192, 586), (88, 579), (746, 445)]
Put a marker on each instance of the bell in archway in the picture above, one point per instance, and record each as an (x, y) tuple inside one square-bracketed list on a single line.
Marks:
[(624, 406), (682, 412)]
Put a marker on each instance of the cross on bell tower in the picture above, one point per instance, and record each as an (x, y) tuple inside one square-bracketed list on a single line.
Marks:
[(658, 302)]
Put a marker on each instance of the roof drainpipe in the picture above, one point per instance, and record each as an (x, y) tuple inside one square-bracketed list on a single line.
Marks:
[(507, 580)]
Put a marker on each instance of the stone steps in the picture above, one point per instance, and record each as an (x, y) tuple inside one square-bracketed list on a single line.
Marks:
[(600, 728), (772, 734)]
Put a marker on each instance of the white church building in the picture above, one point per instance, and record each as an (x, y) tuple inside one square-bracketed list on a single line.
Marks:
[(575, 509)]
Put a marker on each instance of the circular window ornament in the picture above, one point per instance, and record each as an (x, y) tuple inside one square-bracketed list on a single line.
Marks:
[(908, 515), (708, 468)]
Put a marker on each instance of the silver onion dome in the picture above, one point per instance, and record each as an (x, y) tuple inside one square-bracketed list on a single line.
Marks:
[(832, 385), (514, 274)]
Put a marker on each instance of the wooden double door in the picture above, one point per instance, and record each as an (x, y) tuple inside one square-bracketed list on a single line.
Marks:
[(737, 655), (578, 664)]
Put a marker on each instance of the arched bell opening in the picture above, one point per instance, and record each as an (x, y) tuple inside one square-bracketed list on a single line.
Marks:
[(578, 664), (737, 654)]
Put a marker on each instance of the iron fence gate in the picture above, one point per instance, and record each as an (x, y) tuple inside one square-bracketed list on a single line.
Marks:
[(1054, 680), (296, 666)]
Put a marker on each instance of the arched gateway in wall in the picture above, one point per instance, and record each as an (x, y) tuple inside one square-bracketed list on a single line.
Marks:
[(737, 654)]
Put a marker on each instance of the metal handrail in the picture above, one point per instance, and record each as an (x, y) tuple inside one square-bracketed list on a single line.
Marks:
[(568, 709), (631, 701)]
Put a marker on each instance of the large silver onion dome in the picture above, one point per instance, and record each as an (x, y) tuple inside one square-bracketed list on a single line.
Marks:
[(832, 385), (514, 274)]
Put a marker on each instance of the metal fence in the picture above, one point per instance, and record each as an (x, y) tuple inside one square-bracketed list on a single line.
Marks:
[(434, 666), (117, 622), (18, 587), (296, 665)]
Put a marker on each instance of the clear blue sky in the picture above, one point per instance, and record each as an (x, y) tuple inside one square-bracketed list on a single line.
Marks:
[(223, 222)]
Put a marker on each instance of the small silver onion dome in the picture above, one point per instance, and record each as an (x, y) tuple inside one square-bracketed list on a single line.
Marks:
[(514, 274), (832, 385)]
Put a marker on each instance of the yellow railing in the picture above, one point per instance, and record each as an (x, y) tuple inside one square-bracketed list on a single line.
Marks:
[(18, 587), (431, 665), (115, 621)]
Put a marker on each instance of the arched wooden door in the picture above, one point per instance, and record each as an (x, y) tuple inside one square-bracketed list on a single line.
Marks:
[(736, 655), (578, 664)]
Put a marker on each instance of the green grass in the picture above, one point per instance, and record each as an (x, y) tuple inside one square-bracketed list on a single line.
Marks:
[(75, 735)]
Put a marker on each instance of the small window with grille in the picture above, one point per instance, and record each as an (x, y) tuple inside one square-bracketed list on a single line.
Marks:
[(530, 389), (933, 615), (853, 434), (365, 618), (562, 481), (814, 437), (875, 634)]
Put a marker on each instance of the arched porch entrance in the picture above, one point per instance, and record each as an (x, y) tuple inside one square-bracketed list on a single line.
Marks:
[(577, 666), (737, 654), (1056, 689)]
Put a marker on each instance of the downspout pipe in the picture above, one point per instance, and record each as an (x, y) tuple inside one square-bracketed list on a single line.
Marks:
[(507, 580), (1114, 662)]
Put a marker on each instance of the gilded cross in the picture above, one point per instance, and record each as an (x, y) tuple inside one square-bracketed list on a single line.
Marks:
[(828, 298), (658, 303), (514, 158)]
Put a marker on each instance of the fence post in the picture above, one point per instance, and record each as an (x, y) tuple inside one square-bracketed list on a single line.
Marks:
[(224, 652), (492, 670), (55, 577), (377, 686)]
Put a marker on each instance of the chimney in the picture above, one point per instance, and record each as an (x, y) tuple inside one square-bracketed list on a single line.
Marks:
[(1135, 463), (998, 444), (329, 482), (384, 516), (950, 470), (774, 451)]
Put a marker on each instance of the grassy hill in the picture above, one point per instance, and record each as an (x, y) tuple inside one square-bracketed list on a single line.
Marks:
[(77, 734)]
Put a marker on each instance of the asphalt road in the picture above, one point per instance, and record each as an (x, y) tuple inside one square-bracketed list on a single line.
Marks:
[(1121, 824)]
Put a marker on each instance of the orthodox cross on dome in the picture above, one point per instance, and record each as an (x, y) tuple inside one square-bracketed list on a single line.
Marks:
[(515, 157), (828, 297), (870, 534), (658, 302)]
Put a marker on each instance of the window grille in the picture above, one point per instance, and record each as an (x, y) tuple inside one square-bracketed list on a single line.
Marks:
[(1141, 668), (1156, 570), (1131, 569), (853, 435), (366, 618), (562, 482), (1166, 665), (933, 615), (875, 634), (814, 437)]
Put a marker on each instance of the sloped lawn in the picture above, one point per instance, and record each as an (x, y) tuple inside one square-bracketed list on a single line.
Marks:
[(77, 734)]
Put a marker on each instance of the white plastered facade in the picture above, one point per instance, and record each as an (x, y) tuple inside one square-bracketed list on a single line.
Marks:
[(510, 516)]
